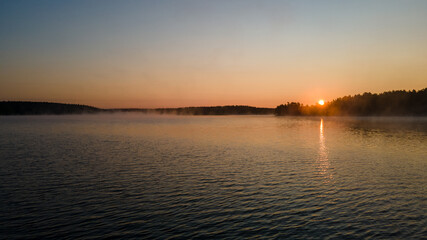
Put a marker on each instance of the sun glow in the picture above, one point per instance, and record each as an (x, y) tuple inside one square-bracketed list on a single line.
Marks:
[(321, 102)]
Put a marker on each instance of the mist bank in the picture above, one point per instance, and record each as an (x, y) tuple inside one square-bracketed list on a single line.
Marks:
[(48, 108), (214, 110), (217, 110), (391, 103)]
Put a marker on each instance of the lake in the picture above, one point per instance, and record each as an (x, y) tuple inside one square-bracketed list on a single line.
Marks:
[(222, 177)]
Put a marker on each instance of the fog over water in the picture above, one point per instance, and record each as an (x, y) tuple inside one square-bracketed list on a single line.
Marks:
[(167, 176)]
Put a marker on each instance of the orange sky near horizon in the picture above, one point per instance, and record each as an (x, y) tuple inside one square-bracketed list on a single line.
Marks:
[(190, 53)]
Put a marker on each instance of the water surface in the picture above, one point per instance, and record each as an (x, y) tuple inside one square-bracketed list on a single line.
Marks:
[(158, 177)]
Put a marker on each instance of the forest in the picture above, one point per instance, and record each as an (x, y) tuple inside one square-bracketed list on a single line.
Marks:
[(44, 108), (391, 103), (217, 110)]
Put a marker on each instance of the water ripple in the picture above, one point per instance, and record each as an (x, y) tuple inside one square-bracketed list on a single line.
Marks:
[(223, 178)]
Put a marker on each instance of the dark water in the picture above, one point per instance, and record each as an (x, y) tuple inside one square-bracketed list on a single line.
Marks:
[(160, 177)]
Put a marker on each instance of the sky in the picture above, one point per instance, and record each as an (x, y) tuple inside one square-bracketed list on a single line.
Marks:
[(177, 53)]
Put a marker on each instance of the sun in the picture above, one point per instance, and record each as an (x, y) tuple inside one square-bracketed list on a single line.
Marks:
[(321, 102)]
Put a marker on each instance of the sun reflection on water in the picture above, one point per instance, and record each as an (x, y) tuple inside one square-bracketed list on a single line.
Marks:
[(324, 165)]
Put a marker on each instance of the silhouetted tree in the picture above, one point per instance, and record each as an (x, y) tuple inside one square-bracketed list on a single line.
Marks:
[(293, 108)]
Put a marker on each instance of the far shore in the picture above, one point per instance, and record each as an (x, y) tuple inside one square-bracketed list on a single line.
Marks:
[(392, 103)]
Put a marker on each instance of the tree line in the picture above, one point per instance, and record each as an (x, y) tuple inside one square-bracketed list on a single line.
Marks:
[(217, 110), (46, 108), (391, 103)]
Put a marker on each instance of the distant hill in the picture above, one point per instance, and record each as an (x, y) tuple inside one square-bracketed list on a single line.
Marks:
[(392, 103), (41, 108)]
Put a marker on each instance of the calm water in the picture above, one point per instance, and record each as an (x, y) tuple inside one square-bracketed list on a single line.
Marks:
[(159, 177)]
